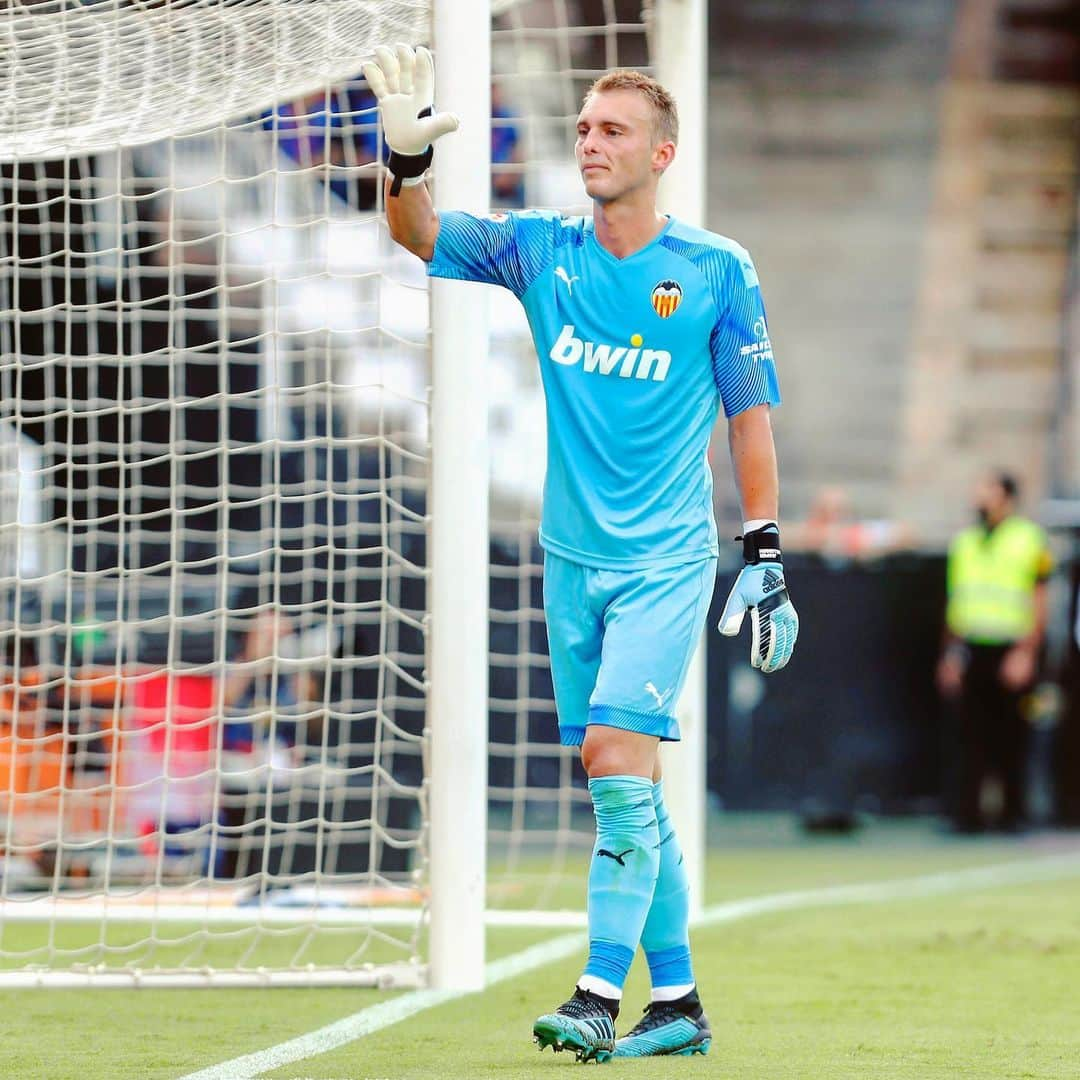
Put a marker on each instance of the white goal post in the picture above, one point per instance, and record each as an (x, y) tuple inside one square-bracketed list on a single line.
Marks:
[(680, 55), (460, 527), (252, 727)]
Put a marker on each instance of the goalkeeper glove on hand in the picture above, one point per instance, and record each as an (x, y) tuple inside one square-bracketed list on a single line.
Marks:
[(403, 82), (761, 588)]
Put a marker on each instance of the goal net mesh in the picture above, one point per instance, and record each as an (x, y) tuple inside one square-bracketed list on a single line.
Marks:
[(213, 492), (544, 57)]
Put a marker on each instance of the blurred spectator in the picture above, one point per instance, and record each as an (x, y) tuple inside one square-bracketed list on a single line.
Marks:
[(831, 531), (507, 177), (260, 694), (994, 626), (263, 700), (340, 128), (332, 128)]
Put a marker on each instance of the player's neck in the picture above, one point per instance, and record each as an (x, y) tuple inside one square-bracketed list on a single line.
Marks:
[(623, 228)]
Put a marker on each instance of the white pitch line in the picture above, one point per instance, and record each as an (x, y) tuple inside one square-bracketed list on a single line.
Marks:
[(995, 875), (376, 1017)]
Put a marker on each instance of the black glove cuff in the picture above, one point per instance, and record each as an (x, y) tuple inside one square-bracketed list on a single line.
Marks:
[(409, 166), (762, 545)]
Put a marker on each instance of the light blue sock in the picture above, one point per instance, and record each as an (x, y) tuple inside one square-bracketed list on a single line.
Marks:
[(622, 877), (666, 937)]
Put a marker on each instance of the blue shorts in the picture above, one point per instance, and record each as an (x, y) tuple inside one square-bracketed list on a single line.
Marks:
[(621, 641)]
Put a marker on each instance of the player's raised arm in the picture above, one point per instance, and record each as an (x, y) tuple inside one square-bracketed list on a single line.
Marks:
[(403, 82)]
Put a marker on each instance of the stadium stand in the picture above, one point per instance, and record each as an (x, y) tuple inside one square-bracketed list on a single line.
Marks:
[(986, 366), (930, 156), (824, 123)]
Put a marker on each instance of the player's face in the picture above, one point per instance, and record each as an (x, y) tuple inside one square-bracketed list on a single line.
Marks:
[(616, 144)]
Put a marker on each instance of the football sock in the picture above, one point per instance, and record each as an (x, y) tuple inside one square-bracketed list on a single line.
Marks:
[(672, 993), (609, 996), (622, 877), (666, 936), (689, 1004)]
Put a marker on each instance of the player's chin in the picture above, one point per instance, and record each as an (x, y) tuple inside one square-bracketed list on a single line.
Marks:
[(597, 184)]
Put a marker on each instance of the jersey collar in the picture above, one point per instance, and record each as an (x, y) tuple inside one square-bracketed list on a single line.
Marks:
[(590, 233)]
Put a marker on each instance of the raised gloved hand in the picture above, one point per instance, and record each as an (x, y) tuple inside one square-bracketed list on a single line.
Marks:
[(403, 82), (761, 589)]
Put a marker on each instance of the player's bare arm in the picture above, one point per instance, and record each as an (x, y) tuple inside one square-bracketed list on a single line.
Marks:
[(403, 81), (412, 219), (753, 459)]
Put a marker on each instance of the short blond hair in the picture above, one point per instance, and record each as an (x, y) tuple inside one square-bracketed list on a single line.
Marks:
[(665, 111)]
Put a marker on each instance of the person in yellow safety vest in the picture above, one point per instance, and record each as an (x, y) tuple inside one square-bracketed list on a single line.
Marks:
[(995, 619)]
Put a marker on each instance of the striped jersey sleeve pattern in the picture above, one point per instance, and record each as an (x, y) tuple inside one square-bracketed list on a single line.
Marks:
[(511, 250), (742, 357)]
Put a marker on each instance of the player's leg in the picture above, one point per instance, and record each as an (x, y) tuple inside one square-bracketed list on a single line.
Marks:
[(585, 1023), (622, 876), (673, 603), (626, 856), (673, 1021), (629, 713)]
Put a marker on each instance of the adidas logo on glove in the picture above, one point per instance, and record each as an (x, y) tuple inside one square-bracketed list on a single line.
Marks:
[(772, 581)]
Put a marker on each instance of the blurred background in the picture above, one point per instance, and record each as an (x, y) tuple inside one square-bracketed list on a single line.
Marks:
[(214, 446), (905, 175)]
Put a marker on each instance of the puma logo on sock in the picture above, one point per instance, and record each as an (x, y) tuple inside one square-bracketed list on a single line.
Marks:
[(611, 855)]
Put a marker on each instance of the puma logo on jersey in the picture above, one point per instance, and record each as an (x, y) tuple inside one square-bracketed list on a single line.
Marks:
[(562, 275), (611, 855), (606, 359)]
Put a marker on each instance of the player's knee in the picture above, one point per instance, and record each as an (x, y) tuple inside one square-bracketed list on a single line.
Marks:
[(614, 752)]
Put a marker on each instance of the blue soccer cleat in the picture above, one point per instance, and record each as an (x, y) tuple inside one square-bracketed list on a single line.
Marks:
[(668, 1027), (583, 1024)]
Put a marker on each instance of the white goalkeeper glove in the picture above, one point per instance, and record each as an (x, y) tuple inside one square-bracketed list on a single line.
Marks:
[(403, 82), (761, 589)]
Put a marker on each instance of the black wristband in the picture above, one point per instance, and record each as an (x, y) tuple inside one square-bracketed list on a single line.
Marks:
[(408, 166), (762, 545)]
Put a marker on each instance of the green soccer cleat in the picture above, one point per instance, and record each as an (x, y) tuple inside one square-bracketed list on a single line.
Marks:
[(668, 1027), (583, 1024)]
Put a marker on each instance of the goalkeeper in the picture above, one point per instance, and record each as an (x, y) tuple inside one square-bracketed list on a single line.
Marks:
[(644, 327)]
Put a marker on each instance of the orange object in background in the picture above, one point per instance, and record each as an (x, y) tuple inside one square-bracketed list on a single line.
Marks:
[(57, 782), (135, 741), (31, 758)]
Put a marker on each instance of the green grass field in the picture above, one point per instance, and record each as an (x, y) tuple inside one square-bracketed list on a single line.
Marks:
[(977, 983)]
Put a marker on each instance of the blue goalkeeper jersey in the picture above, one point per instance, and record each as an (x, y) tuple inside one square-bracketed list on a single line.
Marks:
[(636, 356)]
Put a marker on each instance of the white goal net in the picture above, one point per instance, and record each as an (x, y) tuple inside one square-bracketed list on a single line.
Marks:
[(544, 57), (214, 493)]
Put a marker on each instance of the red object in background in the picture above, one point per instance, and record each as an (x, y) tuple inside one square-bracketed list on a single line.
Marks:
[(177, 711), (171, 747)]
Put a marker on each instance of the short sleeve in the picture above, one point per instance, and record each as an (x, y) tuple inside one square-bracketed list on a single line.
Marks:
[(1044, 561), (504, 249), (742, 355), (950, 566)]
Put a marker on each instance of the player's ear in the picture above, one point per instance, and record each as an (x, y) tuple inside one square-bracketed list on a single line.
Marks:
[(663, 155)]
